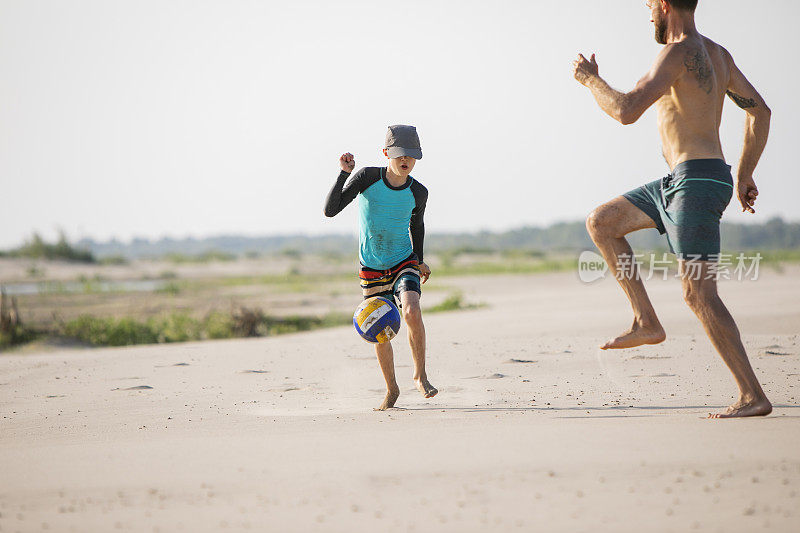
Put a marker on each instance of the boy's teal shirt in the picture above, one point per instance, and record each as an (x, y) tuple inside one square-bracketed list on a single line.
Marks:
[(391, 219)]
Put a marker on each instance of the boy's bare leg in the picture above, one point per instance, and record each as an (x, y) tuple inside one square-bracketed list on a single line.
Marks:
[(386, 360), (416, 339), (608, 225), (701, 296)]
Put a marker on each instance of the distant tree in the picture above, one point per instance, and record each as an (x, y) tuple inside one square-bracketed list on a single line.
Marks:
[(38, 248)]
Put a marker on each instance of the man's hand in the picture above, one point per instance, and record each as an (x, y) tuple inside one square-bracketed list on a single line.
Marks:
[(584, 69), (424, 272), (347, 162), (748, 192)]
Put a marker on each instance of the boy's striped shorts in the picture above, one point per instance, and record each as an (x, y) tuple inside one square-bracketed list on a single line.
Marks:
[(389, 283)]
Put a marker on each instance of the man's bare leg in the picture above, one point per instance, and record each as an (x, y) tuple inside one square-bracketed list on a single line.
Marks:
[(416, 339), (608, 225), (701, 296), (386, 360)]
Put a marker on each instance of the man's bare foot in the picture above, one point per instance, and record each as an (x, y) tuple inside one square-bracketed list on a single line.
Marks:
[(758, 407), (637, 336), (425, 387), (389, 401)]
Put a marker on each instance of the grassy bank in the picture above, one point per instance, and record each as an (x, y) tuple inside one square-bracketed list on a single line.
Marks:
[(110, 306), (181, 327)]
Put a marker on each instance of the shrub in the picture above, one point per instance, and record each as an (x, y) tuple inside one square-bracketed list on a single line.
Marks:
[(109, 331), (37, 248)]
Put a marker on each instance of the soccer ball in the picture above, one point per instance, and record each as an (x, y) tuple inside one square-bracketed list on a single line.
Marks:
[(377, 320)]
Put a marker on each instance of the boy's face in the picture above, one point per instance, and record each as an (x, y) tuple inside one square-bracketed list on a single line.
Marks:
[(401, 166)]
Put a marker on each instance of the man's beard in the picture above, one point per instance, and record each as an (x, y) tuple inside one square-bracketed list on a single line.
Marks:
[(661, 30)]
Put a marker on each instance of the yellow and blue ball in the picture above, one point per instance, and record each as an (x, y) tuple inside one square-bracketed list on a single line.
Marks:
[(377, 320)]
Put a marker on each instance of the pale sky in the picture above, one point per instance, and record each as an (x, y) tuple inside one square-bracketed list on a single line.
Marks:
[(197, 118)]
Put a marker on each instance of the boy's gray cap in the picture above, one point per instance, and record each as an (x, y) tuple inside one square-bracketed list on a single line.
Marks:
[(403, 140)]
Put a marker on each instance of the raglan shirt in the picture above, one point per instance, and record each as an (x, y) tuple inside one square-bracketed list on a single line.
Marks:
[(391, 219)]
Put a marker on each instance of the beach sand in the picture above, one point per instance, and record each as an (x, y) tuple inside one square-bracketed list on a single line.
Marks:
[(534, 428)]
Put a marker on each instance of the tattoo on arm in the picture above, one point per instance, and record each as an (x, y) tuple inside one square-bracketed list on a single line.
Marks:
[(696, 62), (741, 101)]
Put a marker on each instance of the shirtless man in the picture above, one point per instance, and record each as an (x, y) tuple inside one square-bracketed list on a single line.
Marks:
[(688, 84)]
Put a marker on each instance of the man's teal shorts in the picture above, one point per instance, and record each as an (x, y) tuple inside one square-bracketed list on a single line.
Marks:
[(687, 206)]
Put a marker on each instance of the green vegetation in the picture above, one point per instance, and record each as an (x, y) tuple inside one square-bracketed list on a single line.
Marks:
[(523, 253), (292, 253), (204, 257), (111, 331), (12, 331), (17, 334), (508, 267), (37, 248), (173, 288), (96, 278), (292, 282), (181, 327), (778, 256), (34, 271), (454, 302), (116, 259)]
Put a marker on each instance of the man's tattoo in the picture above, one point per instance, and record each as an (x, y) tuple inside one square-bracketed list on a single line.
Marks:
[(741, 101), (696, 62)]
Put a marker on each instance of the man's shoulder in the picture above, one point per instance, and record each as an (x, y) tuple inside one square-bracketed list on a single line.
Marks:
[(693, 45), (678, 51), (713, 45), (719, 51)]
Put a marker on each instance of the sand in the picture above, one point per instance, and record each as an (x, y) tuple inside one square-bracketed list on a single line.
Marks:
[(534, 429)]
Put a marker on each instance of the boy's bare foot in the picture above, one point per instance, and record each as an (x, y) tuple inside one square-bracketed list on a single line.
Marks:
[(758, 407), (425, 387), (637, 336), (389, 401)]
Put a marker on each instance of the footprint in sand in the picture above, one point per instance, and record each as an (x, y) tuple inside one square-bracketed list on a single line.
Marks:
[(288, 388), (774, 349), (650, 357), (496, 375)]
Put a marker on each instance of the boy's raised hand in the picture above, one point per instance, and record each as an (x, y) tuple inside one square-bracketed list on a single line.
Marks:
[(347, 162)]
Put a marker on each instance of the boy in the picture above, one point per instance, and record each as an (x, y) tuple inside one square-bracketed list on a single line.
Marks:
[(391, 234)]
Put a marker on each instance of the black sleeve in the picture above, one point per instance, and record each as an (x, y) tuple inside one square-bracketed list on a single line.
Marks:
[(339, 198), (417, 225)]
